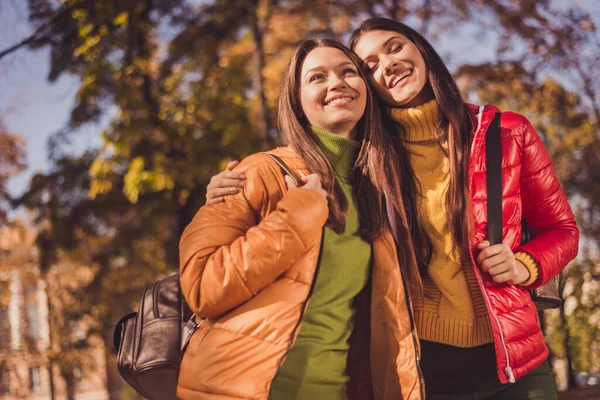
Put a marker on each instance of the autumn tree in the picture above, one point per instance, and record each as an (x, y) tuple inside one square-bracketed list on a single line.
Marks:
[(12, 161), (189, 85)]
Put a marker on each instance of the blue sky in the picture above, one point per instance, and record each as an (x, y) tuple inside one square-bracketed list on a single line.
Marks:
[(29, 105), (34, 108)]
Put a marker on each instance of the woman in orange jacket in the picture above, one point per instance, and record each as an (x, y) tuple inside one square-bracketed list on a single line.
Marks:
[(479, 329), (298, 287)]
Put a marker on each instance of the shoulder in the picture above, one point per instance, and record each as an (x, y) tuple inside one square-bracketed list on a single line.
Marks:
[(512, 123), (515, 122), (487, 112), (262, 162), (260, 166), (264, 177)]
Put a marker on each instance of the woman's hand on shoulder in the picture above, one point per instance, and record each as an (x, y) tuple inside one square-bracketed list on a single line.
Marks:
[(499, 261), (224, 183), (311, 182)]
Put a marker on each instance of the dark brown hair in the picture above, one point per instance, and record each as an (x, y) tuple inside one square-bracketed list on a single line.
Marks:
[(371, 132), (455, 127)]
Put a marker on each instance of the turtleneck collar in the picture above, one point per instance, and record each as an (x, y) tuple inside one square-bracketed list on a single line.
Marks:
[(420, 123), (339, 150)]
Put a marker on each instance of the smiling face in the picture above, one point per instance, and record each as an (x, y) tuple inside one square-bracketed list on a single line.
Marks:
[(332, 93), (396, 68)]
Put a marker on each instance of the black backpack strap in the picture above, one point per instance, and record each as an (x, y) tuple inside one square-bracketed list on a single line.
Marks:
[(286, 170), (493, 155)]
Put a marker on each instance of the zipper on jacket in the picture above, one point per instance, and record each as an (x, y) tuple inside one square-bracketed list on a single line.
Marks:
[(508, 370), (393, 225), (304, 307), (412, 330)]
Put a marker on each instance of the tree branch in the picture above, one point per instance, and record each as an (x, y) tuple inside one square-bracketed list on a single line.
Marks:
[(588, 89), (32, 38), (37, 35)]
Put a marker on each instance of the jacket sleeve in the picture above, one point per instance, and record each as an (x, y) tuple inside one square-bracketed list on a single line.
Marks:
[(227, 254), (555, 237)]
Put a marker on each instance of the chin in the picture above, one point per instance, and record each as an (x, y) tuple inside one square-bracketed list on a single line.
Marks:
[(341, 124), (403, 101), (346, 117)]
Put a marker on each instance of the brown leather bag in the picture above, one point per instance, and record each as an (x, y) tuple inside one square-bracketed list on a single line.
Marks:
[(545, 296), (150, 342)]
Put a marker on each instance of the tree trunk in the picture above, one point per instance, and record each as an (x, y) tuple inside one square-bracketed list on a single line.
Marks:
[(257, 29), (51, 380), (571, 382), (69, 379), (114, 382), (50, 363)]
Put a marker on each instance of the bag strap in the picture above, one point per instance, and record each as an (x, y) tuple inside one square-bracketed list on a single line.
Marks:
[(286, 170), (493, 155)]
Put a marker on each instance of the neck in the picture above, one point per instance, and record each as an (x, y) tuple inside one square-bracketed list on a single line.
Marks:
[(340, 150), (344, 130), (425, 96), (419, 123)]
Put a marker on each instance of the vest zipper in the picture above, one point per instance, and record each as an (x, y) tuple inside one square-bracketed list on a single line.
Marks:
[(305, 306), (508, 370)]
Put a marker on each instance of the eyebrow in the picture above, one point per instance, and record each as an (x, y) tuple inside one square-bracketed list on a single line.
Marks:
[(320, 67), (384, 45)]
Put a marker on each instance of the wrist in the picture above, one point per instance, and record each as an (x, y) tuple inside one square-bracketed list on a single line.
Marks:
[(531, 265), (524, 273)]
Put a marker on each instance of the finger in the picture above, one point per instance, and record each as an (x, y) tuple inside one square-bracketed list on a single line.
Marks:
[(491, 262), (503, 278), (499, 269), (215, 200), (307, 178), (223, 192), (290, 182), (490, 252), (310, 177), (232, 175), (483, 245), (228, 182), (232, 164)]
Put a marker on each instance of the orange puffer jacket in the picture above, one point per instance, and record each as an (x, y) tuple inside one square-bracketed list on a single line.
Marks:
[(248, 266)]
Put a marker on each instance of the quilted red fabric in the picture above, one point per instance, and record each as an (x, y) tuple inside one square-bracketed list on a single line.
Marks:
[(530, 190)]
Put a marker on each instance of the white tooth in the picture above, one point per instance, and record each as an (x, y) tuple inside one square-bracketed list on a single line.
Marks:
[(398, 78), (339, 100)]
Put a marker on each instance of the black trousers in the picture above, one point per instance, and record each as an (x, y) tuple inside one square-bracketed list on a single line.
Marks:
[(453, 373)]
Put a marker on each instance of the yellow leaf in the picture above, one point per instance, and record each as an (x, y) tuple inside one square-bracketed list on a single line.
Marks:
[(121, 19), (85, 30)]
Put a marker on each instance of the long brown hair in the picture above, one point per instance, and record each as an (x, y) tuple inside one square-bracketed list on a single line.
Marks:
[(455, 127), (371, 132)]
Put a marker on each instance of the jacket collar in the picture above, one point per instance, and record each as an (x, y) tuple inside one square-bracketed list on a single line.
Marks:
[(481, 116)]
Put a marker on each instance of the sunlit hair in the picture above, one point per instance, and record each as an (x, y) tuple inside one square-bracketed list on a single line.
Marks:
[(371, 130), (455, 127)]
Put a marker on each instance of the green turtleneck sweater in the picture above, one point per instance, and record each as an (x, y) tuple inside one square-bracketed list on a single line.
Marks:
[(315, 367)]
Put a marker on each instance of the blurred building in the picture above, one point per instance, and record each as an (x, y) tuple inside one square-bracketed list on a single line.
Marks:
[(25, 333)]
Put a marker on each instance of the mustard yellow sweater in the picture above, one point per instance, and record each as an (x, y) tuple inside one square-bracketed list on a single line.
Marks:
[(453, 310)]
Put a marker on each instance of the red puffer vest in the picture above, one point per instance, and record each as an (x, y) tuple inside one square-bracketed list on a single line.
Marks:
[(531, 191)]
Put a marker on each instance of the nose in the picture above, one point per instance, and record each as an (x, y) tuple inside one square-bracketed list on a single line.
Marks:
[(337, 82), (388, 64)]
